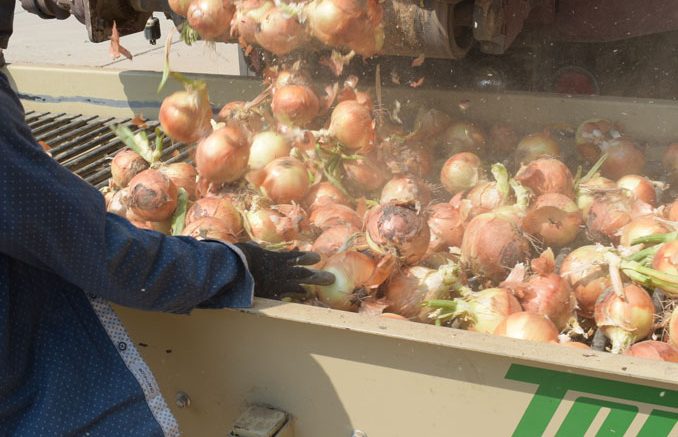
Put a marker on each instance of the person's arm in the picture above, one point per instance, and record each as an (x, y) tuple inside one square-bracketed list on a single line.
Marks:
[(53, 220)]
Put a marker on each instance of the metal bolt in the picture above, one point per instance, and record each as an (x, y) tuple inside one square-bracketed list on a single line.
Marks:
[(182, 400), (358, 433)]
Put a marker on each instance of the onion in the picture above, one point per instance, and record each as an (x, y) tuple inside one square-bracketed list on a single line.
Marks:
[(528, 326), (261, 225), (592, 134), (672, 327), (535, 146), (163, 227), (248, 15), (623, 158), (670, 163), (446, 225), (429, 124), (551, 296), (125, 165), (279, 32), (607, 215), (323, 193), (351, 270), (639, 187), (625, 321), (295, 105), (220, 208), (210, 18), (486, 196), (333, 238), (492, 245), (180, 7), (118, 203), (363, 174), (585, 269), (334, 214), (236, 115), (672, 211), (409, 288), (641, 227), (267, 146), (352, 125), (185, 115), (483, 311), (183, 175), (283, 180), (152, 196), (653, 350), (464, 136), (586, 192), (554, 218), (403, 189), (210, 228), (666, 261), (546, 175), (222, 157), (503, 139), (461, 172), (399, 231)]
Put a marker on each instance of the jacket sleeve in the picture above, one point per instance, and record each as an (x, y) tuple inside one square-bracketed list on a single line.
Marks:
[(54, 220)]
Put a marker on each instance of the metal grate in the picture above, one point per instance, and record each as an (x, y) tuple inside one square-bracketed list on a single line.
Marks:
[(86, 144)]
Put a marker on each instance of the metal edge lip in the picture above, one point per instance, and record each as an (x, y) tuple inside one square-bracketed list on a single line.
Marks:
[(601, 363)]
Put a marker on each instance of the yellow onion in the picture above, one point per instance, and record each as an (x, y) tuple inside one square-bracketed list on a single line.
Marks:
[(625, 321), (352, 125), (535, 146), (461, 172), (528, 326), (546, 175), (283, 180), (185, 115), (639, 187), (152, 196), (210, 18), (125, 165), (184, 175), (295, 105), (653, 350), (585, 269), (280, 33), (554, 218), (222, 157), (352, 270), (210, 228), (399, 231), (220, 208)]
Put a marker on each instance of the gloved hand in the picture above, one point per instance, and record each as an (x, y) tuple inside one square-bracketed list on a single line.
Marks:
[(278, 273)]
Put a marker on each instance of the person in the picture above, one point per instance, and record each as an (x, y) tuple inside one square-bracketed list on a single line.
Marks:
[(67, 366)]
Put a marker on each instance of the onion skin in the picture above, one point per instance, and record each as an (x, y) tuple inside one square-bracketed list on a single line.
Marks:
[(607, 215), (267, 146), (623, 158), (464, 136), (184, 175), (528, 326), (547, 175), (222, 157), (409, 288), (592, 134), (492, 245), (333, 238), (625, 322), (535, 146), (405, 190), (666, 261), (330, 215), (280, 33), (551, 296), (220, 208), (248, 15), (585, 269), (295, 105), (261, 226), (485, 197), (152, 196), (125, 165), (653, 350), (461, 172), (210, 228), (640, 188), (397, 230), (185, 115), (118, 203), (446, 225), (642, 226), (352, 125), (323, 193), (210, 18), (554, 218)]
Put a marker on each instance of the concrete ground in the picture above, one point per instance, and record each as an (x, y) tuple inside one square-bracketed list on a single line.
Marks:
[(38, 41)]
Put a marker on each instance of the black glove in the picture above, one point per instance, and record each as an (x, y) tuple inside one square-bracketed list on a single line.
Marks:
[(277, 273)]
